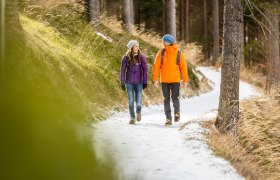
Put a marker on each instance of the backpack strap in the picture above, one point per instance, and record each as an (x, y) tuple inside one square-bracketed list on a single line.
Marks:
[(162, 55), (178, 57)]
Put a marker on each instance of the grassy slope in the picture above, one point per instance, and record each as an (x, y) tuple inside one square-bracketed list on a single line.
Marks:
[(72, 55), (64, 75)]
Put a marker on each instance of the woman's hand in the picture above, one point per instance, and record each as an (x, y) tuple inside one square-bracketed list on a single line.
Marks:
[(145, 86), (123, 87)]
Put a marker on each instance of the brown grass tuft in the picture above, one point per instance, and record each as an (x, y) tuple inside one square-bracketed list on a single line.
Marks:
[(255, 150), (253, 76)]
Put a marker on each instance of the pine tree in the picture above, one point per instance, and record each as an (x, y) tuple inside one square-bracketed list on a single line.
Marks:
[(187, 21), (273, 54), (94, 10), (228, 112), (205, 19), (171, 17), (128, 15), (216, 34), (242, 40)]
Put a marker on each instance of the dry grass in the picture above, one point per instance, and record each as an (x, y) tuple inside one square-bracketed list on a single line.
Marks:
[(193, 51), (255, 150), (253, 76), (259, 79)]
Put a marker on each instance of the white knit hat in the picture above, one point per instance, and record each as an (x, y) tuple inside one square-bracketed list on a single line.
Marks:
[(131, 44)]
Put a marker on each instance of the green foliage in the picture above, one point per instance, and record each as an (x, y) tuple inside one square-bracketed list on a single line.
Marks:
[(44, 134), (273, 5), (254, 52), (57, 80), (194, 81), (73, 49)]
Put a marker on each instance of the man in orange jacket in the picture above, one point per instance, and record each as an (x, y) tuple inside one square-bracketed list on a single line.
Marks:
[(170, 63)]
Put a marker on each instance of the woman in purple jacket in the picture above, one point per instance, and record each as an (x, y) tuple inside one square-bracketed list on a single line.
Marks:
[(134, 78)]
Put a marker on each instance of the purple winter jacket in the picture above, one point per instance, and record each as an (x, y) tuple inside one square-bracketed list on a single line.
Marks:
[(134, 73)]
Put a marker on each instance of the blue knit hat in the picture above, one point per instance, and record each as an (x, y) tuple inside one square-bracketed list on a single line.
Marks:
[(168, 38)]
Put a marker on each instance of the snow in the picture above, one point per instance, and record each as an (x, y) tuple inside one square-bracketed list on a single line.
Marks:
[(151, 151)]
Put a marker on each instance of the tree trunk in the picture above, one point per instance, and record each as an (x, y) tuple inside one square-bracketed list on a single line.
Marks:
[(2, 35), (248, 39), (171, 17), (242, 43), (137, 14), (132, 12), (94, 13), (216, 36), (164, 25), (182, 19), (273, 54), (205, 19), (187, 21), (128, 15), (12, 41), (228, 112), (205, 30), (103, 7)]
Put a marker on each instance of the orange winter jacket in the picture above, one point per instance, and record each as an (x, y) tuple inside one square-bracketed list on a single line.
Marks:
[(169, 71)]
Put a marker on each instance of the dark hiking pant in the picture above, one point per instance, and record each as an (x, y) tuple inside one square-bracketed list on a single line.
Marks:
[(174, 90)]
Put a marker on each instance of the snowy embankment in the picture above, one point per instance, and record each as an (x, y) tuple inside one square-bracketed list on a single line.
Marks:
[(149, 150)]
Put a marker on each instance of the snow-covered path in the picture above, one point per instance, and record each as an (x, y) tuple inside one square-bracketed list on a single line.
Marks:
[(151, 151)]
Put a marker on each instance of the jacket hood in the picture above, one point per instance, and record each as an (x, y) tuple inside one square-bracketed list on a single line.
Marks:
[(172, 48)]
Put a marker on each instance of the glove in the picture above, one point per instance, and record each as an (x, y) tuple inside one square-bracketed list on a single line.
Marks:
[(123, 87), (145, 86)]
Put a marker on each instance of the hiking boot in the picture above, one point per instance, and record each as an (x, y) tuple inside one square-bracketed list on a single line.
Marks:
[(138, 117), (177, 117), (132, 121), (168, 122)]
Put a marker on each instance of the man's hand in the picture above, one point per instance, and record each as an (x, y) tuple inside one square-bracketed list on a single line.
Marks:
[(185, 85), (123, 87), (156, 84)]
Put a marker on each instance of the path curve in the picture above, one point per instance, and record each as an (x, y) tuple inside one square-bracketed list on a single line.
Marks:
[(151, 151)]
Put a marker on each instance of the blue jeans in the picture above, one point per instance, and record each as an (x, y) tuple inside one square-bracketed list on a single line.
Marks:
[(134, 91)]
